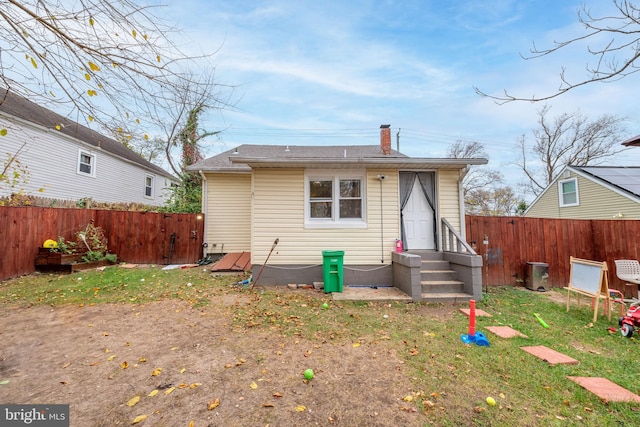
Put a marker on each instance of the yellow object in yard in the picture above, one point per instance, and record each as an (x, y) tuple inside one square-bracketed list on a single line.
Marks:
[(50, 244)]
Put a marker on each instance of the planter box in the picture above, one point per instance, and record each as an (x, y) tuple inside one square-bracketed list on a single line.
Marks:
[(47, 261), (46, 257)]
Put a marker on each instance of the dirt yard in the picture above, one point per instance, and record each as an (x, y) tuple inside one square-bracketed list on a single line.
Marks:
[(190, 367)]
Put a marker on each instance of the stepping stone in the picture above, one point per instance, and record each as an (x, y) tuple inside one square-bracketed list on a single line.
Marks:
[(548, 355), (605, 389), (467, 312), (505, 332)]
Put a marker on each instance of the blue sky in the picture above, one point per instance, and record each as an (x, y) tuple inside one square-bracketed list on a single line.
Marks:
[(331, 72)]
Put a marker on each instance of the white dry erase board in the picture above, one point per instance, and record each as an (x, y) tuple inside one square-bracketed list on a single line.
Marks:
[(588, 278)]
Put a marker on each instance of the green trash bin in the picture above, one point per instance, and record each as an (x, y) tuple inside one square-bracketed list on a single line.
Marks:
[(332, 270)]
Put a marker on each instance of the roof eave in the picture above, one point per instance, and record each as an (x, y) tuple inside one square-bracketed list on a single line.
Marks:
[(343, 163)]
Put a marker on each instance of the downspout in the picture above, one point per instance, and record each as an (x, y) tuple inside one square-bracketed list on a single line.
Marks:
[(203, 208), (463, 226)]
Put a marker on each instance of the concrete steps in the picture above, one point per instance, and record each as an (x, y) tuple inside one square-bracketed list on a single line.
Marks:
[(438, 281)]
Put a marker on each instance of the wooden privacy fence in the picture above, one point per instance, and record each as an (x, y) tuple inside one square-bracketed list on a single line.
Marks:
[(512, 242), (135, 237)]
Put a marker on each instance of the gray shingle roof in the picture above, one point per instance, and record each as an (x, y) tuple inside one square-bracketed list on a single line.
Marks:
[(24, 109), (222, 161)]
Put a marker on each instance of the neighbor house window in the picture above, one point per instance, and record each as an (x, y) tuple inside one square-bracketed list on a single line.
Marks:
[(86, 163), (568, 191), (334, 199), (148, 186)]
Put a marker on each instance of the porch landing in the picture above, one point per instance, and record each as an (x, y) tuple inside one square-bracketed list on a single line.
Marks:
[(366, 293)]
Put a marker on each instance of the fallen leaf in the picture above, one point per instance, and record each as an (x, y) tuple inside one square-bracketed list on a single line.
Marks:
[(356, 344), (182, 385), (183, 370), (124, 365), (156, 372), (169, 390), (253, 385), (268, 405), (301, 408), (194, 385), (213, 404), (153, 393), (110, 358), (133, 401), (139, 419), (276, 394), (142, 360), (192, 423)]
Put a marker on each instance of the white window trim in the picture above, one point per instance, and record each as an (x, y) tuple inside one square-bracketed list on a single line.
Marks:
[(153, 184), (93, 163), (561, 194), (335, 222)]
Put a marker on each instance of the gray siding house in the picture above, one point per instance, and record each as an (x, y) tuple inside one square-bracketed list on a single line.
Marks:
[(68, 161)]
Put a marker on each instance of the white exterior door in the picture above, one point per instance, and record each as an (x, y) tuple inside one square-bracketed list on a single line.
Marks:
[(418, 220)]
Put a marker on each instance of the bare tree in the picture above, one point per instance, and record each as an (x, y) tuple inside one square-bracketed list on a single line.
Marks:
[(567, 139), (493, 201), (478, 177), (99, 60), (616, 51), (484, 192)]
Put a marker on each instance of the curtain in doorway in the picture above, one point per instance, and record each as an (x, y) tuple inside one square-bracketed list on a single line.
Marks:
[(406, 185)]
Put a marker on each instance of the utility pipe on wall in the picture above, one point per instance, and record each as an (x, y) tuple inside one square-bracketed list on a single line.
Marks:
[(381, 178)]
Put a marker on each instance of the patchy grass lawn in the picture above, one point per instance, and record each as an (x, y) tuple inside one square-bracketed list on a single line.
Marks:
[(183, 346)]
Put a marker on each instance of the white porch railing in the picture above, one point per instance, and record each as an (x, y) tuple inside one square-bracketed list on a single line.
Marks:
[(452, 241)]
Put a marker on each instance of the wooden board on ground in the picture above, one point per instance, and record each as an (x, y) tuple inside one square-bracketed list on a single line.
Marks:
[(235, 261)]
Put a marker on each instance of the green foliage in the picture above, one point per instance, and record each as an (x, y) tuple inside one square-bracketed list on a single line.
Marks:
[(186, 197), (64, 246)]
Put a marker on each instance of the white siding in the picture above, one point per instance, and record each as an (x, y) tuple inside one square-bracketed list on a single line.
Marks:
[(228, 213), (278, 212), (52, 160)]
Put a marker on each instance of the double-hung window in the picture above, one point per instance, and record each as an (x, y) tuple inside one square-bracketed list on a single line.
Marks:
[(86, 163), (568, 192), (148, 186), (334, 199)]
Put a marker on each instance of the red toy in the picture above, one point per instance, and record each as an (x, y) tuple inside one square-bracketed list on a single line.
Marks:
[(631, 320)]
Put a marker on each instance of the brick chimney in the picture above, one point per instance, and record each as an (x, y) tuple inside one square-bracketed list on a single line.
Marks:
[(385, 139)]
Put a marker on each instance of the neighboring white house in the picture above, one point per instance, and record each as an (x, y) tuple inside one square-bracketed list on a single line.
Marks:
[(590, 192), (68, 161)]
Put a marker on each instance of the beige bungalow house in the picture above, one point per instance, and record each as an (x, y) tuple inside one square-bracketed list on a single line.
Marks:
[(590, 192), (356, 199)]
